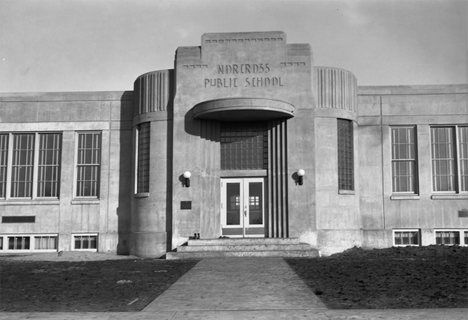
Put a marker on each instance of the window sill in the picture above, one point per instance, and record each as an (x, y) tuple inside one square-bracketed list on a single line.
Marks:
[(449, 196), (28, 202), (86, 201), (404, 197), (142, 195), (346, 192)]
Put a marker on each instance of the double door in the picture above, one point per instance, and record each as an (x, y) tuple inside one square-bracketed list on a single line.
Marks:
[(242, 207)]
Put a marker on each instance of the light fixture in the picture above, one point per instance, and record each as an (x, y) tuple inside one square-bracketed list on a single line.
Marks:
[(300, 174), (187, 176)]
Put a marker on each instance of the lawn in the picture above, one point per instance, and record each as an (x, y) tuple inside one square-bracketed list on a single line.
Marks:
[(409, 277), (111, 285)]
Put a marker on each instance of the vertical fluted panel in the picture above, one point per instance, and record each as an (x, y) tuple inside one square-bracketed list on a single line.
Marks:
[(336, 89), (153, 92), (277, 180)]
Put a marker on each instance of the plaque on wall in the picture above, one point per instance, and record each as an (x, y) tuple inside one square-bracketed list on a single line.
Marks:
[(186, 205)]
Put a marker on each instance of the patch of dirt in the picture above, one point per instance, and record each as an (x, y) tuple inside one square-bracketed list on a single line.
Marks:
[(398, 277), (32, 285)]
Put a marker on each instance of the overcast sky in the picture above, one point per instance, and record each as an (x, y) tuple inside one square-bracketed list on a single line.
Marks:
[(51, 45)]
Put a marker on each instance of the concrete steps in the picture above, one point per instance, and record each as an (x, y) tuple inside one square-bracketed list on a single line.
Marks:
[(246, 247)]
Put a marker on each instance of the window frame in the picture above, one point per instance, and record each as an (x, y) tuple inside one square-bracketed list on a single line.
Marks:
[(461, 236), (36, 150), (138, 192), (414, 160), (456, 161), (342, 156), (4, 238), (84, 235), (395, 231), (77, 165)]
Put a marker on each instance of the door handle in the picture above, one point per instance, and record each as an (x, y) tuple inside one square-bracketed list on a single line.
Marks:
[(245, 212)]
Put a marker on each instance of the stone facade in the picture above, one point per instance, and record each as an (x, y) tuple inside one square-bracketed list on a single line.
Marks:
[(357, 190)]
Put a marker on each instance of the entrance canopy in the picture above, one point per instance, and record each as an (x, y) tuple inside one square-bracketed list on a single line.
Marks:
[(241, 109)]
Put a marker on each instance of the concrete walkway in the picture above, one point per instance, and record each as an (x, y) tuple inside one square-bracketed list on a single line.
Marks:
[(244, 288)]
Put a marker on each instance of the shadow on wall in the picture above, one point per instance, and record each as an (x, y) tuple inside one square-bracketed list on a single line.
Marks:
[(125, 173)]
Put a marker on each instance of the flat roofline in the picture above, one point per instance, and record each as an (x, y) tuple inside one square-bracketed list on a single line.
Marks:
[(67, 96), (413, 89)]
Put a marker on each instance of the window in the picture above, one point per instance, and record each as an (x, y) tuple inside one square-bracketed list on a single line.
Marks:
[(143, 158), (3, 164), (448, 237), (244, 145), (85, 242), (18, 243), (49, 165), (406, 237), (36, 242), (88, 164), (30, 165), (45, 242), (404, 167), (449, 149), (345, 155)]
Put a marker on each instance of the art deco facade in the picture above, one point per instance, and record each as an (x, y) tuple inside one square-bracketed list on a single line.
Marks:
[(244, 116)]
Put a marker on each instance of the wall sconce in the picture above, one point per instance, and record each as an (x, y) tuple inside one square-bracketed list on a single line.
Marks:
[(187, 176), (300, 174)]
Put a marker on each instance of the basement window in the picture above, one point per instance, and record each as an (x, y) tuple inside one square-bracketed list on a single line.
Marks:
[(406, 237), (85, 242), (19, 243), (450, 237), (45, 243)]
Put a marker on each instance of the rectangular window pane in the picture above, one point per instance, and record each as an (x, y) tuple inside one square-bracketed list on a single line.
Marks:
[(463, 152), (3, 164), (345, 155), (143, 157), (88, 170), (244, 146), (49, 165), (404, 159), (22, 165), (443, 158)]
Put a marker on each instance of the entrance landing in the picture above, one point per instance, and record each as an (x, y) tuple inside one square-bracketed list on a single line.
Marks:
[(266, 285), (243, 247)]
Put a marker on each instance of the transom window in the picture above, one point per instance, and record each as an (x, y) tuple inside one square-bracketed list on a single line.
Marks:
[(404, 167), (244, 145), (30, 165), (449, 150)]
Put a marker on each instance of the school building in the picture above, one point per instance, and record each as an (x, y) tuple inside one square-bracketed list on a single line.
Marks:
[(244, 138)]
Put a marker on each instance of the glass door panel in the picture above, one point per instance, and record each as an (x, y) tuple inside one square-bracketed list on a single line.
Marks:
[(233, 208), (255, 203)]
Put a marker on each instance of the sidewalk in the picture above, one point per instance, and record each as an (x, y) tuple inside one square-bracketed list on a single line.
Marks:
[(244, 288)]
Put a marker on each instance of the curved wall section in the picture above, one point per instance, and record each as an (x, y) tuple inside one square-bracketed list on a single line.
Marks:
[(153, 91), (151, 216), (335, 89)]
